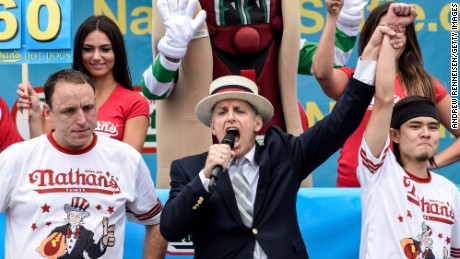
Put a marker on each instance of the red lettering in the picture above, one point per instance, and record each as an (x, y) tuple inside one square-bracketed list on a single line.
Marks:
[(73, 181), (44, 177)]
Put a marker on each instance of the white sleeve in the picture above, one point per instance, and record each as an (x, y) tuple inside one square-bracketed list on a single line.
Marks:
[(5, 183), (369, 167), (146, 207), (365, 71), (205, 181)]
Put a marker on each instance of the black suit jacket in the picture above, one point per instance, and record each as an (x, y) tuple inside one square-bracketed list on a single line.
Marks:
[(213, 218)]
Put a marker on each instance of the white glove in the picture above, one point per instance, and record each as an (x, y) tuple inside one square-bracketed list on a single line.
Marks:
[(350, 16), (177, 18)]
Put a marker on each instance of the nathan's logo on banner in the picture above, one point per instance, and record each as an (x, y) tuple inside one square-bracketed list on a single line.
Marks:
[(183, 247), (35, 31), (150, 144)]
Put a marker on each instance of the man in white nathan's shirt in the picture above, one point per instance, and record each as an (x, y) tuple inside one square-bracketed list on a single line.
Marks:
[(72, 177), (408, 211)]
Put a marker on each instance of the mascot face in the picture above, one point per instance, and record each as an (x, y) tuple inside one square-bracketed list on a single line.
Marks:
[(75, 218)]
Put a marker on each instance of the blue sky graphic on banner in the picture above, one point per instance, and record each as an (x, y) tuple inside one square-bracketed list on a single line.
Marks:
[(134, 20)]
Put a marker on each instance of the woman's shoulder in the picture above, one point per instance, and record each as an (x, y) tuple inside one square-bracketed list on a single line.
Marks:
[(120, 89), (440, 91)]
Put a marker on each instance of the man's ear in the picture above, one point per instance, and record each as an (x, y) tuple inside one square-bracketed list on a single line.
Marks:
[(47, 110), (258, 123), (394, 134), (211, 125)]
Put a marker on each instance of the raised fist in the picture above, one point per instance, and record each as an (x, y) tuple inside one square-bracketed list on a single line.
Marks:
[(400, 15)]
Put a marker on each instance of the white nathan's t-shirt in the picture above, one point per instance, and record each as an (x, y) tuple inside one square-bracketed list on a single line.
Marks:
[(404, 216), (57, 201)]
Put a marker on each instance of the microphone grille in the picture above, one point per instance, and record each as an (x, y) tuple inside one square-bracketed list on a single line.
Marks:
[(229, 139)]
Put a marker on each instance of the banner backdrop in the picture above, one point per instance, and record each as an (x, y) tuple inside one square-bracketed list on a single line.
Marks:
[(134, 19), (36, 32)]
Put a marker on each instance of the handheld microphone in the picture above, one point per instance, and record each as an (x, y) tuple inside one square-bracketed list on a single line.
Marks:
[(229, 139)]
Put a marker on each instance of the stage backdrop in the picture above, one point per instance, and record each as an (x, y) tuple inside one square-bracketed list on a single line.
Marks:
[(134, 20)]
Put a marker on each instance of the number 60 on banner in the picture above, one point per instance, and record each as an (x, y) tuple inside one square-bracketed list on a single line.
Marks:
[(37, 24)]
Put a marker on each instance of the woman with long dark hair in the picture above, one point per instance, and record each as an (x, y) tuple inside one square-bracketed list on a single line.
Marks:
[(99, 52)]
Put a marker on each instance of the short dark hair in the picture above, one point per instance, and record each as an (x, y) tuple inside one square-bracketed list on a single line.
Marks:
[(106, 25), (64, 75)]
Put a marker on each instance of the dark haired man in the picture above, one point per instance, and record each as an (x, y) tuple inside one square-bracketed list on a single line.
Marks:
[(39, 176), (408, 211)]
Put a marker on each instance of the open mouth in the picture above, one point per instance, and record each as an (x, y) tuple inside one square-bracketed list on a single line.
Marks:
[(234, 132)]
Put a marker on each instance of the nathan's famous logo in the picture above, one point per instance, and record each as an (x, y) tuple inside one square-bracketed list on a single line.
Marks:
[(150, 144), (90, 181), (107, 128), (436, 210), (7, 56)]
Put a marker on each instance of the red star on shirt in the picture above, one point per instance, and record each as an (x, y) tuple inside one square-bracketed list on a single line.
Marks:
[(110, 209), (45, 208), (98, 207), (409, 215), (48, 223), (401, 218), (34, 226), (448, 240), (440, 235)]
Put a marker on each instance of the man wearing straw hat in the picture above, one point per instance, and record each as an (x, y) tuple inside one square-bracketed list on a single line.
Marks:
[(249, 210)]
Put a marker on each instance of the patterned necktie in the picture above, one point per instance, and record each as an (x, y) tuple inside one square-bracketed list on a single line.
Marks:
[(243, 193)]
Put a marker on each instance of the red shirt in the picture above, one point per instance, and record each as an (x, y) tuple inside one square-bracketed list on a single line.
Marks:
[(122, 105), (8, 132)]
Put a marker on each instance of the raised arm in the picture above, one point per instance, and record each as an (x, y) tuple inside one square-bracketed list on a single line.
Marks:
[(173, 29), (378, 125), (399, 15), (31, 101), (348, 22), (332, 81)]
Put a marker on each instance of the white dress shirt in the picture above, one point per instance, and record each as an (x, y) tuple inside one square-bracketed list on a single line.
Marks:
[(251, 172)]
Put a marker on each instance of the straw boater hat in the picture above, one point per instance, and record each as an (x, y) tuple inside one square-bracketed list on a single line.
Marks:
[(233, 87)]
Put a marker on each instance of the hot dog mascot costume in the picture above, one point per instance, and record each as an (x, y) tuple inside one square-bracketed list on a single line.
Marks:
[(256, 39)]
